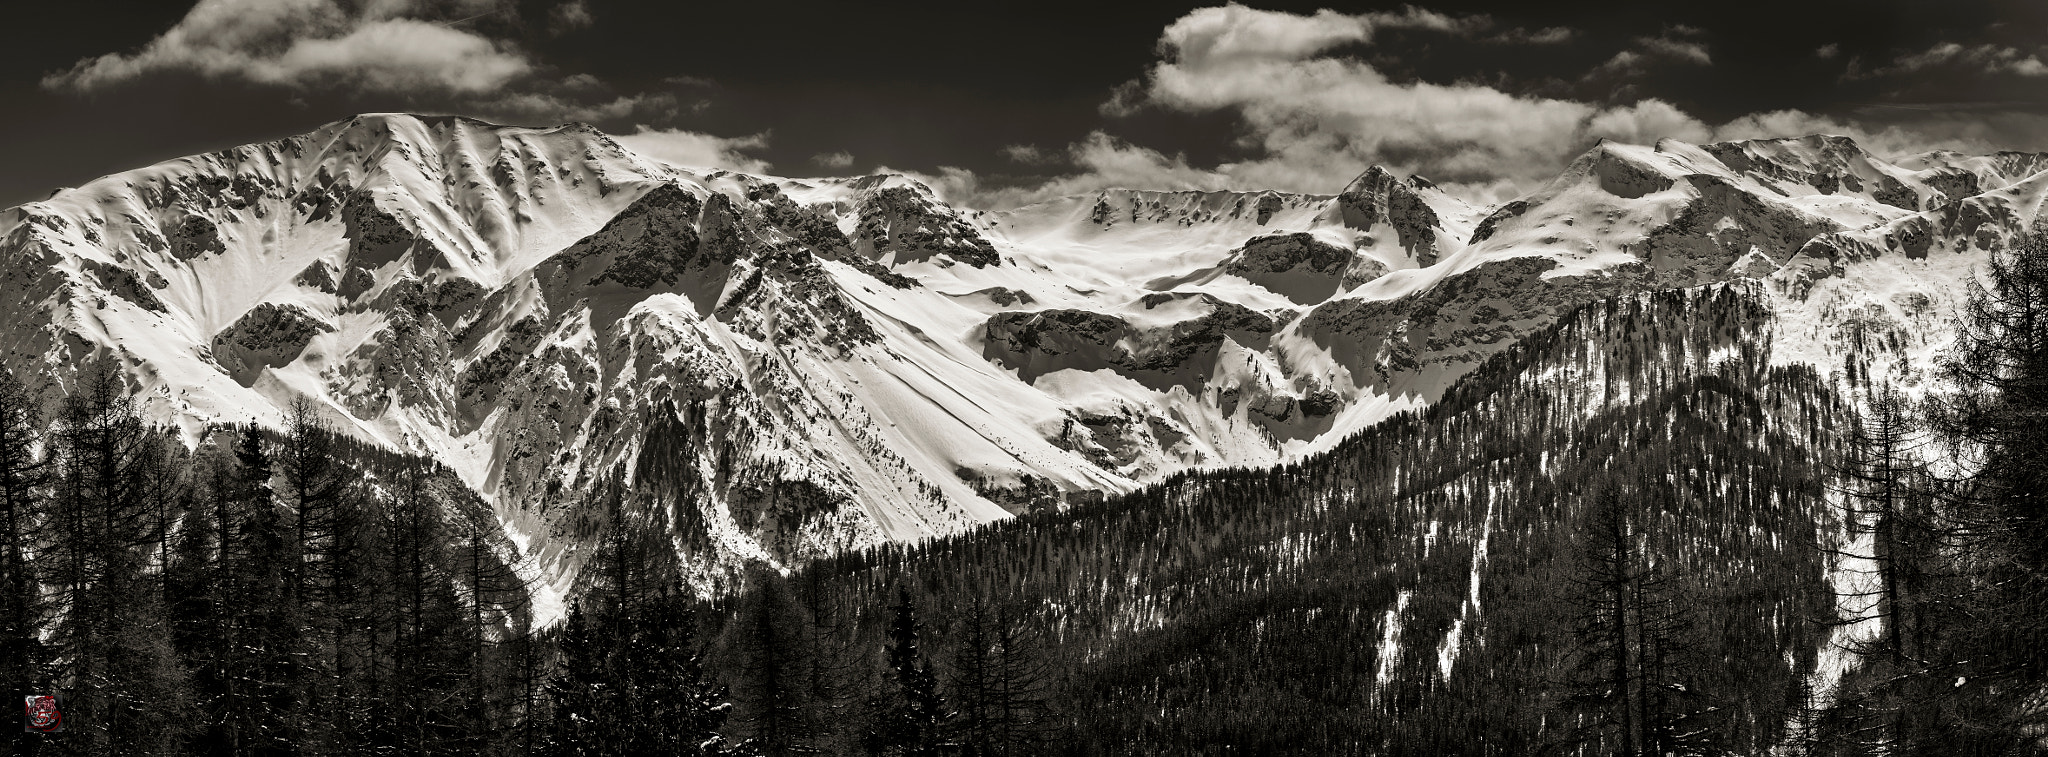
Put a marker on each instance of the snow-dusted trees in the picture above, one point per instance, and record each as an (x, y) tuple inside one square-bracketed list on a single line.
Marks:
[(1407, 592), (634, 684), (1888, 502)]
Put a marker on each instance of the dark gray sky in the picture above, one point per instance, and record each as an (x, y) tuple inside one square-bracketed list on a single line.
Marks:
[(999, 103)]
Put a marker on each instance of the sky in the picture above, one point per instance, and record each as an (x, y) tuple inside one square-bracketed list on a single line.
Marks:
[(998, 104)]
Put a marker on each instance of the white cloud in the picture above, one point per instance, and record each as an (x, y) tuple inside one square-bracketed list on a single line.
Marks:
[(1677, 49), (534, 107), (1030, 155), (1911, 133), (1650, 50), (384, 46), (694, 149), (569, 17), (1827, 51), (1985, 58), (834, 160), (1102, 162), (1313, 120), (1553, 35)]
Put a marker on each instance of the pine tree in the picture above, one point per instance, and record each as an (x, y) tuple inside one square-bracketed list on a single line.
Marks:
[(24, 471), (129, 692), (263, 623), (313, 486), (673, 706), (767, 649), (1630, 632), (426, 641), (1885, 496), (582, 719), (912, 715), (1022, 701), (1997, 649), (841, 671), (971, 683)]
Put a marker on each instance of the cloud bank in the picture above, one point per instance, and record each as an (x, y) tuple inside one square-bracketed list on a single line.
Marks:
[(1312, 118), (689, 148), (380, 46)]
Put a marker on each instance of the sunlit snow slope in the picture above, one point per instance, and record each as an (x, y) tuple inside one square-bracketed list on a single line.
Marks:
[(767, 368)]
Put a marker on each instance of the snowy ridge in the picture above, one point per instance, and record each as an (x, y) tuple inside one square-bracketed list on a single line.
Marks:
[(780, 368)]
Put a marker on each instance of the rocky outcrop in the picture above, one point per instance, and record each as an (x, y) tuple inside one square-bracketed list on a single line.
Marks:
[(1041, 341), (375, 235), (195, 235), (651, 243), (270, 335), (318, 277), (1377, 197), (1622, 177), (1038, 342), (901, 223), (817, 230), (1299, 267), (1720, 226), (1178, 345)]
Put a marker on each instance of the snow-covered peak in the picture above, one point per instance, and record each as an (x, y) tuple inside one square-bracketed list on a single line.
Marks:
[(815, 364)]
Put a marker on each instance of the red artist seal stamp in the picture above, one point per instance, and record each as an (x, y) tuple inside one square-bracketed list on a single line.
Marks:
[(43, 715)]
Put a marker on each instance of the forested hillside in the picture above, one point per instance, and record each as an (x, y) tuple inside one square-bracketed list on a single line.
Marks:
[(1612, 531)]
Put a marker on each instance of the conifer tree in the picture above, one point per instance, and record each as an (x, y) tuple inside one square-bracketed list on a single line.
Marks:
[(24, 471), (129, 691), (581, 693), (1996, 651), (673, 706), (911, 717), (767, 644)]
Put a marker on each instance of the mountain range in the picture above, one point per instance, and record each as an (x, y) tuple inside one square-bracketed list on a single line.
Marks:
[(780, 369)]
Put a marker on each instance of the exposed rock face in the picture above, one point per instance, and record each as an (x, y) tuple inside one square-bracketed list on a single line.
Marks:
[(1039, 342), (1268, 205), (375, 235), (1625, 178), (357, 282), (1721, 225), (195, 236), (901, 222), (1462, 321), (319, 277), (1006, 297), (1300, 267), (1377, 197), (815, 229), (1895, 193), (268, 336), (1507, 212), (653, 242), (1178, 345)]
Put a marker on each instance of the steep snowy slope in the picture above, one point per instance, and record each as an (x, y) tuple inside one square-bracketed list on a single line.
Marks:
[(773, 368)]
